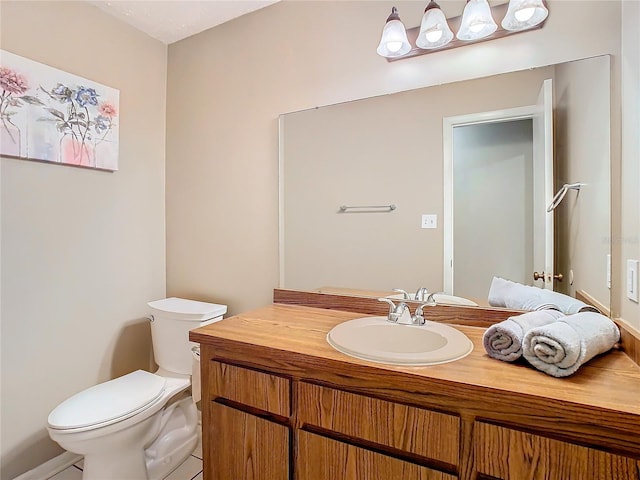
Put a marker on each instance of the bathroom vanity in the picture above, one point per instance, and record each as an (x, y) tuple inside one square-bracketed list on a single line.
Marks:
[(280, 403)]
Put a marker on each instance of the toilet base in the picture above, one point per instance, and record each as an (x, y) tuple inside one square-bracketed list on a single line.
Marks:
[(123, 458), (148, 450), (177, 439)]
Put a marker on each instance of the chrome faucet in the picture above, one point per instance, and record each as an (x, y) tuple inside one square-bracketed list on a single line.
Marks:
[(400, 313), (421, 295), (397, 312)]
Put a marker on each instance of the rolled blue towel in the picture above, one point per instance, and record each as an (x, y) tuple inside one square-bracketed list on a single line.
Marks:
[(561, 348), (503, 340)]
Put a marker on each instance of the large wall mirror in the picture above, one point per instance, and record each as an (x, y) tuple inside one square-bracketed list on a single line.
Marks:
[(445, 152)]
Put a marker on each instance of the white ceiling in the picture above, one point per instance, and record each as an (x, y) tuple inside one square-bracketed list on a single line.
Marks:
[(173, 20)]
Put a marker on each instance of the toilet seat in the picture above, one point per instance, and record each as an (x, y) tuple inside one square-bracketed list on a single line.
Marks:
[(109, 402)]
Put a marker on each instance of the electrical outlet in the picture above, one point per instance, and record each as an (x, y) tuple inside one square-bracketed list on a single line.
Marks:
[(632, 280), (429, 221), (609, 271)]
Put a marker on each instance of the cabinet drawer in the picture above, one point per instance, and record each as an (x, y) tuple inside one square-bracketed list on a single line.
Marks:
[(263, 391), (431, 435), (321, 458), (245, 447), (510, 454)]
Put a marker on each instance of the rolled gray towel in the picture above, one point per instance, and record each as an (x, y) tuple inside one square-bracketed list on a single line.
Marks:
[(504, 340), (561, 348)]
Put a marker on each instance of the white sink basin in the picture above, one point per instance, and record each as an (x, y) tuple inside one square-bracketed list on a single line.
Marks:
[(378, 340), (440, 299)]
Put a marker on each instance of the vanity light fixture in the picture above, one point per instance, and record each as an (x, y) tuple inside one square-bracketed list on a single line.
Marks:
[(524, 14), (394, 42), (476, 24), (477, 21), (434, 29)]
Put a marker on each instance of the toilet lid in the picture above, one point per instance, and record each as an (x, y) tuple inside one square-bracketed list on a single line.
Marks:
[(108, 401)]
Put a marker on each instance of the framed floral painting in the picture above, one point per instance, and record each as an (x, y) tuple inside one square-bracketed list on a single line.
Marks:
[(53, 116)]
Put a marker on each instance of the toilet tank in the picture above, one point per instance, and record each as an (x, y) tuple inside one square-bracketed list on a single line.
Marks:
[(171, 320)]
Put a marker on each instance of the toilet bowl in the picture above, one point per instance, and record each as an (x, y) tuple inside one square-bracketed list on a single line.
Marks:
[(141, 425)]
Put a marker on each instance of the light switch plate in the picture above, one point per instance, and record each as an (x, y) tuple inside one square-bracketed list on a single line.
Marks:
[(429, 221), (632, 280)]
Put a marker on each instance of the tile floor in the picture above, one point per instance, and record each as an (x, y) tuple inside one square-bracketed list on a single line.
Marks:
[(191, 469)]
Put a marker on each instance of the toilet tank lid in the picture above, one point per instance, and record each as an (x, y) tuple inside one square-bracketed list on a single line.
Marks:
[(188, 309), (108, 401)]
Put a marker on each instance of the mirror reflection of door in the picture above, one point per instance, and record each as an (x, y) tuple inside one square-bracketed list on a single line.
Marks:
[(543, 176), (500, 181)]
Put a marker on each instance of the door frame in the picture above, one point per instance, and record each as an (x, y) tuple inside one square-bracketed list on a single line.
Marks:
[(448, 124)]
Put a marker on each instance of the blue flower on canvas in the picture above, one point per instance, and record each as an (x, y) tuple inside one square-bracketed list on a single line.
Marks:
[(62, 93), (102, 123), (86, 96)]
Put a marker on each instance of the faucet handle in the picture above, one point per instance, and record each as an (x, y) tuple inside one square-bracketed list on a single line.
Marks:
[(392, 309), (418, 317), (396, 312), (405, 295)]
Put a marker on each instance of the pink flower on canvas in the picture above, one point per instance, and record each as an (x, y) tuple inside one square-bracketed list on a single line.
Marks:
[(12, 82), (107, 109)]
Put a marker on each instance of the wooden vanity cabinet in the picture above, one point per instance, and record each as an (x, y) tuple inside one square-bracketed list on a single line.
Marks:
[(507, 454), (261, 426), (280, 404)]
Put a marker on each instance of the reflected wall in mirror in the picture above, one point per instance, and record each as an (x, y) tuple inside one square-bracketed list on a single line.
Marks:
[(389, 150)]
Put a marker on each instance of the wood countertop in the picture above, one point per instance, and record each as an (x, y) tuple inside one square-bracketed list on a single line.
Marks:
[(599, 406)]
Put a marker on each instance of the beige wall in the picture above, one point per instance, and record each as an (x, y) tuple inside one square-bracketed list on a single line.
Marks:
[(583, 145), (228, 85), (382, 150), (82, 250)]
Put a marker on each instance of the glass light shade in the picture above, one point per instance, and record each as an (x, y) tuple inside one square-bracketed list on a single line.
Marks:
[(523, 14), (477, 21), (394, 42), (434, 29)]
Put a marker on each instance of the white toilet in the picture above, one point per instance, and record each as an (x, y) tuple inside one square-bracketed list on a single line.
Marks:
[(141, 425)]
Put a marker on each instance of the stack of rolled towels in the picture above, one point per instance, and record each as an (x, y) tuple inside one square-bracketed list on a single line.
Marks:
[(554, 343)]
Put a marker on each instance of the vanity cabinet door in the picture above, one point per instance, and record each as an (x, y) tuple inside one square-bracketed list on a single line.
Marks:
[(507, 454), (254, 389), (245, 447), (321, 458), (431, 435)]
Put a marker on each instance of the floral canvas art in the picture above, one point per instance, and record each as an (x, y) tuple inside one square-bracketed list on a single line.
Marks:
[(50, 115)]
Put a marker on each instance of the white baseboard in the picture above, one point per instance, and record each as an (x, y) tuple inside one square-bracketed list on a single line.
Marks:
[(51, 467)]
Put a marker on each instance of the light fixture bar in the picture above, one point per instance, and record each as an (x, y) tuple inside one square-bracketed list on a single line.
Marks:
[(498, 12)]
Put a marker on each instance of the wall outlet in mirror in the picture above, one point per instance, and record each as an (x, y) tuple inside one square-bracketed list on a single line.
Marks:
[(632, 280), (429, 221)]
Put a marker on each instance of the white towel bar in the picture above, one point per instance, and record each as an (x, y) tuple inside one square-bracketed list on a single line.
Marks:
[(386, 208), (562, 192)]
